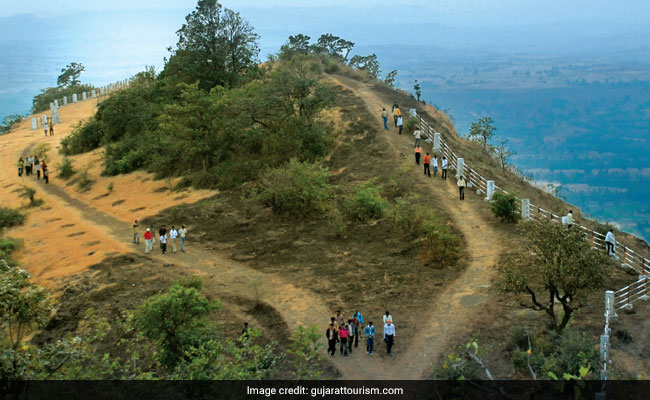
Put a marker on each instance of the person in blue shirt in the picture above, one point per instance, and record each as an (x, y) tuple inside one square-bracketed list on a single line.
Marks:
[(370, 337)]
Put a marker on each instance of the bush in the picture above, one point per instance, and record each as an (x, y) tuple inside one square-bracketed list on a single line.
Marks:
[(401, 181), (409, 217), (8, 246), (10, 217), (84, 183), (504, 207), (84, 138), (298, 189), (41, 150), (125, 156), (66, 169), (441, 245), (412, 124), (367, 203), (28, 193)]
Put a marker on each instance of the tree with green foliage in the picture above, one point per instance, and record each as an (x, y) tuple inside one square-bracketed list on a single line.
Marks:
[(9, 122), (334, 46), (175, 320), (367, 203), (559, 265), (298, 44), (215, 47), (504, 207), (41, 101), (390, 78), (418, 90), (483, 130), (366, 63), (305, 349), (70, 75)]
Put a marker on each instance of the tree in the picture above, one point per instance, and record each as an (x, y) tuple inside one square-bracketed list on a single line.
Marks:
[(175, 320), (334, 46), (295, 45), (390, 78), (9, 122), (215, 46), (560, 264), (366, 63), (503, 153), (70, 75), (483, 129), (305, 348), (504, 207), (418, 90)]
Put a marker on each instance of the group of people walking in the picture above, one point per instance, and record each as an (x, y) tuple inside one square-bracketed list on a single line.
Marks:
[(347, 333), (164, 237), (397, 118), (32, 165)]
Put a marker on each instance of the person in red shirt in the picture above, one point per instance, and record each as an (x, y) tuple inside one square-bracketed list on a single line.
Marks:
[(427, 163), (148, 241), (343, 336)]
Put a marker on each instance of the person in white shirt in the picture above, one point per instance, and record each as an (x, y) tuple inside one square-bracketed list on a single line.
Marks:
[(434, 165), (400, 124), (389, 335), (418, 135), (163, 242), (569, 219), (387, 317), (610, 241), (173, 234), (445, 165), (461, 187), (182, 232)]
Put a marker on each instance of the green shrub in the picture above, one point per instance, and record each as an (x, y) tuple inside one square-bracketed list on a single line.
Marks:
[(41, 102), (337, 223), (441, 245), (400, 181), (8, 246), (84, 138), (66, 169), (10, 217), (412, 124), (125, 156), (410, 216), (367, 203), (85, 182), (29, 193), (504, 207), (298, 189)]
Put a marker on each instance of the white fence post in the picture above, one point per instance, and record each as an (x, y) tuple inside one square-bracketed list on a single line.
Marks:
[(56, 103), (525, 208), (460, 166), (44, 119), (84, 96), (65, 100), (609, 303), (413, 112), (55, 117), (490, 190), (436, 143), (93, 93), (74, 97)]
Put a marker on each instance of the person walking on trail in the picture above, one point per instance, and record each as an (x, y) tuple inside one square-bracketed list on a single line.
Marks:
[(444, 165), (359, 318), (136, 233), (434, 165), (331, 335), (400, 123), (610, 241), (357, 330), (153, 238), (352, 333), (182, 232), (336, 324), (28, 165), (163, 242), (418, 136), (569, 219), (148, 246), (45, 128), (37, 166), (46, 172), (21, 166), (52, 129), (427, 164), (370, 337), (343, 337), (461, 187), (389, 335), (173, 234), (396, 113), (339, 319), (387, 317), (418, 153), (384, 115)]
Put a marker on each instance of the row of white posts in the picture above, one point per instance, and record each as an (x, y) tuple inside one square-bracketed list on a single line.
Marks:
[(84, 96), (636, 291)]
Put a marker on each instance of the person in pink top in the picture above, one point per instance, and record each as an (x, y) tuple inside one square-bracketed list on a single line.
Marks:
[(343, 336)]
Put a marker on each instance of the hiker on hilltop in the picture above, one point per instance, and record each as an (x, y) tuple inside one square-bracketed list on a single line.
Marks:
[(352, 332), (148, 236), (21, 165), (389, 335), (445, 165), (434, 165), (182, 232), (610, 241), (418, 152), (343, 337), (357, 330), (37, 166), (569, 219), (173, 234), (384, 115), (163, 241), (370, 337), (29, 165), (331, 334), (461, 187), (400, 123), (45, 128), (387, 317), (359, 318), (136, 233), (395, 108), (339, 319), (52, 129), (46, 172), (418, 135), (427, 163)]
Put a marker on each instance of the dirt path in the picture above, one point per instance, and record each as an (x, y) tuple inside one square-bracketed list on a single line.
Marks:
[(456, 308)]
